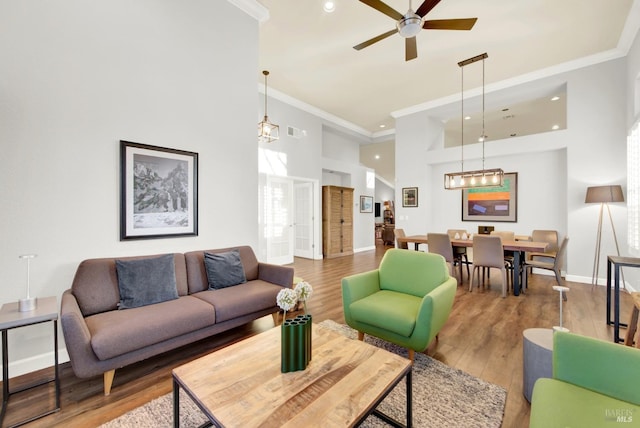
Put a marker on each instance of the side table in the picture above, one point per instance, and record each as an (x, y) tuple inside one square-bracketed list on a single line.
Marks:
[(617, 262), (537, 351), (11, 317)]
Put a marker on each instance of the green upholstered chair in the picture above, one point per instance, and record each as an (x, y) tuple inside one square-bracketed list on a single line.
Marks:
[(405, 301), (595, 384)]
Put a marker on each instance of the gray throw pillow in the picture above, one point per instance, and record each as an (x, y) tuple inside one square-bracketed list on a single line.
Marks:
[(146, 281), (224, 269)]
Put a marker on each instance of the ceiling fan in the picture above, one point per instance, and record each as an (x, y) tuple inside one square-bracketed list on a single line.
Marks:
[(410, 24)]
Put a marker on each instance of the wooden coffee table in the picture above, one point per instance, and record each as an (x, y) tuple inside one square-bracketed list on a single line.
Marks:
[(242, 386)]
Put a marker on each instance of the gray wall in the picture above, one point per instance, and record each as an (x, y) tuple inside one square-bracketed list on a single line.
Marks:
[(77, 77)]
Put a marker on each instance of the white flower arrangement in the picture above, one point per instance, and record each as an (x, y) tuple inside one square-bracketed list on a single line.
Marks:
[(287, 299)]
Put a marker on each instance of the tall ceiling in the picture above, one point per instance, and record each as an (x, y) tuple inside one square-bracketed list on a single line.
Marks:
[(310, 54)]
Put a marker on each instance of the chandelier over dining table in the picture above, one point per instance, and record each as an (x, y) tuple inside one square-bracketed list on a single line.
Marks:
[(481, 177)]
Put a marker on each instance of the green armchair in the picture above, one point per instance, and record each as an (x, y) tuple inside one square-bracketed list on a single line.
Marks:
[(595, 384), (405, 301)]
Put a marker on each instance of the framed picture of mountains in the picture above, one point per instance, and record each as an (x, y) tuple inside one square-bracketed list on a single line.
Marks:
[(158, 192)]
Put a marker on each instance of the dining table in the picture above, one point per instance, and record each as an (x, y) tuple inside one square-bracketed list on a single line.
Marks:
[(517, 247)]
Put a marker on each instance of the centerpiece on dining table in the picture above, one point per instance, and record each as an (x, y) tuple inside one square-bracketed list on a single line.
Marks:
[(295, 332)]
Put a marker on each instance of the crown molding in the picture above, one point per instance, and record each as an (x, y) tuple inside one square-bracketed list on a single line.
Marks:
[(252, 8)]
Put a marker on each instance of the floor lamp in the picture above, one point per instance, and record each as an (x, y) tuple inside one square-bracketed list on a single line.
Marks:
[(603, 195)]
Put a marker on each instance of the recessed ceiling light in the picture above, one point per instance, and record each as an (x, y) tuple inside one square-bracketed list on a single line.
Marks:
[(556, 98), (329, 6), (467, 117), (377, 156), (383, 126), (554, 127)]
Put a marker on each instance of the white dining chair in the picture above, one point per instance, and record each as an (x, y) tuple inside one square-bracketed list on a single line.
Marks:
[(488, 253)]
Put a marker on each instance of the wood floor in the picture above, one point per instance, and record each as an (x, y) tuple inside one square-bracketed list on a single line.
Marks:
[(483, 337)]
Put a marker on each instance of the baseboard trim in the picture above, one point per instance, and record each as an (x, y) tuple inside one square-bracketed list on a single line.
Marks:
[(35, 363)]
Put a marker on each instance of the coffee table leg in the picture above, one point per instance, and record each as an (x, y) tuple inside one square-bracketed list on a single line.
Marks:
[(176, 404), (409, 399)]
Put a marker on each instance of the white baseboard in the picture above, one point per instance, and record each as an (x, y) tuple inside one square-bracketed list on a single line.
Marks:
[(360, 250), (37, 362)]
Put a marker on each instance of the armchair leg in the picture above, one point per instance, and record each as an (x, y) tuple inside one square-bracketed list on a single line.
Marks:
[(360, 336), (412, 355), (108, 381)]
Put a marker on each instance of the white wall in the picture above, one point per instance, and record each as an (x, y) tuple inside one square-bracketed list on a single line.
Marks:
[(554, 167), (77, 77)]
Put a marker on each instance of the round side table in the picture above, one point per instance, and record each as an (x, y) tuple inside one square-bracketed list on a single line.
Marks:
[(537, 351)]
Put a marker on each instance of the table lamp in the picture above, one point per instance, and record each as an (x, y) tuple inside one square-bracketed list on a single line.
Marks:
[(603, 195), (29, 303)]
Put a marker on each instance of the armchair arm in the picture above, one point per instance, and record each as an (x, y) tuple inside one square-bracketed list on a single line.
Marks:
[(605, 367), (276, 274), (77, 337), (356, 287), (434, 310)]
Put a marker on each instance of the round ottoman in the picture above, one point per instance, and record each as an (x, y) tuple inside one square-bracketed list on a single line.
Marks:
[(536, 360)]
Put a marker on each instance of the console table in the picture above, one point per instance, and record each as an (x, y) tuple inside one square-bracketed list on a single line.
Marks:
[(617, 262), (11, 317)]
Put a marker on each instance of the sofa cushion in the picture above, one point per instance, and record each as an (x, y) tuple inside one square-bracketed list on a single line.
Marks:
[(224, 269), (95, 284), (115, 333), (146, 281), (560, 404), (389, 310), (243, 299), (197, 275)]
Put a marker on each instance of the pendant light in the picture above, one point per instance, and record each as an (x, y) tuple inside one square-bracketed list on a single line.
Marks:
[(267, 131), (482, 177)]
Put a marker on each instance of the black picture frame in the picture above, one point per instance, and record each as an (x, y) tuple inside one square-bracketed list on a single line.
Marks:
[(502, 208), (158, 192)]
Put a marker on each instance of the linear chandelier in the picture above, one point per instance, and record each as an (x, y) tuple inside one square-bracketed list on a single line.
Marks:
[(267, 131), (482, 177)]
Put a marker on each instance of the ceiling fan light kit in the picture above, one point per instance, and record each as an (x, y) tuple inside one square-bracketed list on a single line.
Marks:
[(482, 177), (410, 24)]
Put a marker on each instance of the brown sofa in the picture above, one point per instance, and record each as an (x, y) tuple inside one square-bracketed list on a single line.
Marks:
[(100, 338)]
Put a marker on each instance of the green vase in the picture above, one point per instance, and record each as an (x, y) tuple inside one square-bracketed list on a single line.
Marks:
[(295, 344)]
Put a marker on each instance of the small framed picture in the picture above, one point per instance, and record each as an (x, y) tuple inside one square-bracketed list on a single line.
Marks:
[(366, 204), (159, 192), (409, 196)]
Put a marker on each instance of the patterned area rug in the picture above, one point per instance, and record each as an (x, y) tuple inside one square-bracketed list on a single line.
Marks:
[(442, 397)]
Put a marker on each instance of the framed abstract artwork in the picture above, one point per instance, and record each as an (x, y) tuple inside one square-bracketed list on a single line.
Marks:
[(409, 196), (492, 203), (366, 204), (158, 192)]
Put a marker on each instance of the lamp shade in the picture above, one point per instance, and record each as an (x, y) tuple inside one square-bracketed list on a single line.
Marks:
[(600, 194)]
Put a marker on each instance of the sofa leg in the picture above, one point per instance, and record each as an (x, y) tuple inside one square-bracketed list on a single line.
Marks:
[(108, 381), (276, 318), (412, 355), (360, 336)]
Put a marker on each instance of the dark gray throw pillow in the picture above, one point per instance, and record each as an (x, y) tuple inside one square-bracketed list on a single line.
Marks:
[(224, 269), (146, 281)]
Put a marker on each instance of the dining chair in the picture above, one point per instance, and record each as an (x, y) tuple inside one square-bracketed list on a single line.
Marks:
[(399, 233), (488, 253), (507, 235), (440, 243), (556, 266), (548, 236), (460, 252)]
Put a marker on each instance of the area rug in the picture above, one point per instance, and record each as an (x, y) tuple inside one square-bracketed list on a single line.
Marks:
[(442, 397)]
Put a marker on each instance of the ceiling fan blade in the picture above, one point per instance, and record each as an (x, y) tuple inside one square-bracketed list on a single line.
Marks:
[(450, 24), (375, 39), (384, 8), (426, 7), (411, 49)]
